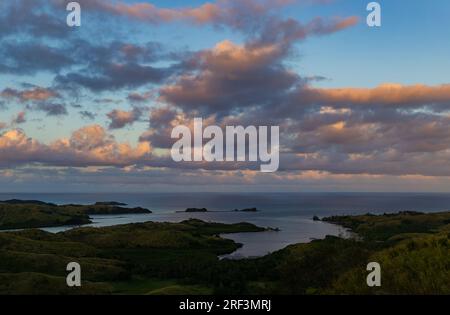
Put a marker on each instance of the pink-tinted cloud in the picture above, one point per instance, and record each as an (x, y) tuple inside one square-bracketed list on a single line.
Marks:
[(386, 94), (120, 118), (243, 15), (221, 11), (88, 146), (242, 76), (34, 94)]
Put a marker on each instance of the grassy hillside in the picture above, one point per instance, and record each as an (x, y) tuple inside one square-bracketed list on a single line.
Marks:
[(18, 214), (414, 253), (116, 259), (384, 227)]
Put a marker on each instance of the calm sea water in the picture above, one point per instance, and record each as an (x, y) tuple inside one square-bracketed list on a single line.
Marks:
[(290, 212)]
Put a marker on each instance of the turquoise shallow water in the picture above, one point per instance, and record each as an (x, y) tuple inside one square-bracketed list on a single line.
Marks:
[(290, 212)]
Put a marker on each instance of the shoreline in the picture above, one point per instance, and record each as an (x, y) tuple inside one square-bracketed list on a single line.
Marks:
[(187, 256), (252, 246)]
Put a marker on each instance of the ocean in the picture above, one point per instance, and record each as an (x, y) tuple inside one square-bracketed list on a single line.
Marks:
[(290, 212)]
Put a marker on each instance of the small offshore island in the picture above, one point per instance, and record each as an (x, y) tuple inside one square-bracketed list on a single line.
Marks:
[(206, 210), (182, 258)]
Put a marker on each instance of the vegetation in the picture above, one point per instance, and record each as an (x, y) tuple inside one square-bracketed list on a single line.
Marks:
[(412, 248), (19, 214), (414, 253), (383, 227), (133, 258)]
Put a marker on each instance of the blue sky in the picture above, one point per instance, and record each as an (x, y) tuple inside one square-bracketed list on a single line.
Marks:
[(410, 47)]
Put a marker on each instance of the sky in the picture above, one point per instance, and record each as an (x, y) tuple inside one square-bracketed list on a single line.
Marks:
[(91, 108)]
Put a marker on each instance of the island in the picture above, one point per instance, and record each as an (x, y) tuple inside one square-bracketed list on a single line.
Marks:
[(235, 210), (30, 202), (247, 210), (196, 210), (20, 214), (110, 203)]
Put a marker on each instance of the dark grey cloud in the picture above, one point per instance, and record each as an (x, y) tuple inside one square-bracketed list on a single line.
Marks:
[(121, 118), (34, 38), (31, 18), (161, 121), (87, 115), (51, 109), (139, 98), (30, 57), (114, 66), (113, 77), (20, 118)]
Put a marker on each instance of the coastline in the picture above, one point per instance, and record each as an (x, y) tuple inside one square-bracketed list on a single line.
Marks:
[(185, 258), (253, 245)]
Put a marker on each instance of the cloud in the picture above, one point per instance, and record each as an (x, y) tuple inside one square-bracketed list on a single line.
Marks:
[(244, 15), (221, 12), (120, 118), (34, 94), (249, 75), (162, 121), (395, 95), (344, 142), (51, 109), (88, 146), (254, 18), (114, 76), (327, 134), (19, 118), (30, 18), (364, 137), (87, 115), (243, 77), (407, 133), (287, 31), (21, 58), (115, 66), (251, 17), (139, 98), (138, 179), (80, 62)]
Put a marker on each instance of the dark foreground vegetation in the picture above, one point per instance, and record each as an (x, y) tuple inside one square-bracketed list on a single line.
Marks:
[(19, 214), (135, 258), (413, 250)]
